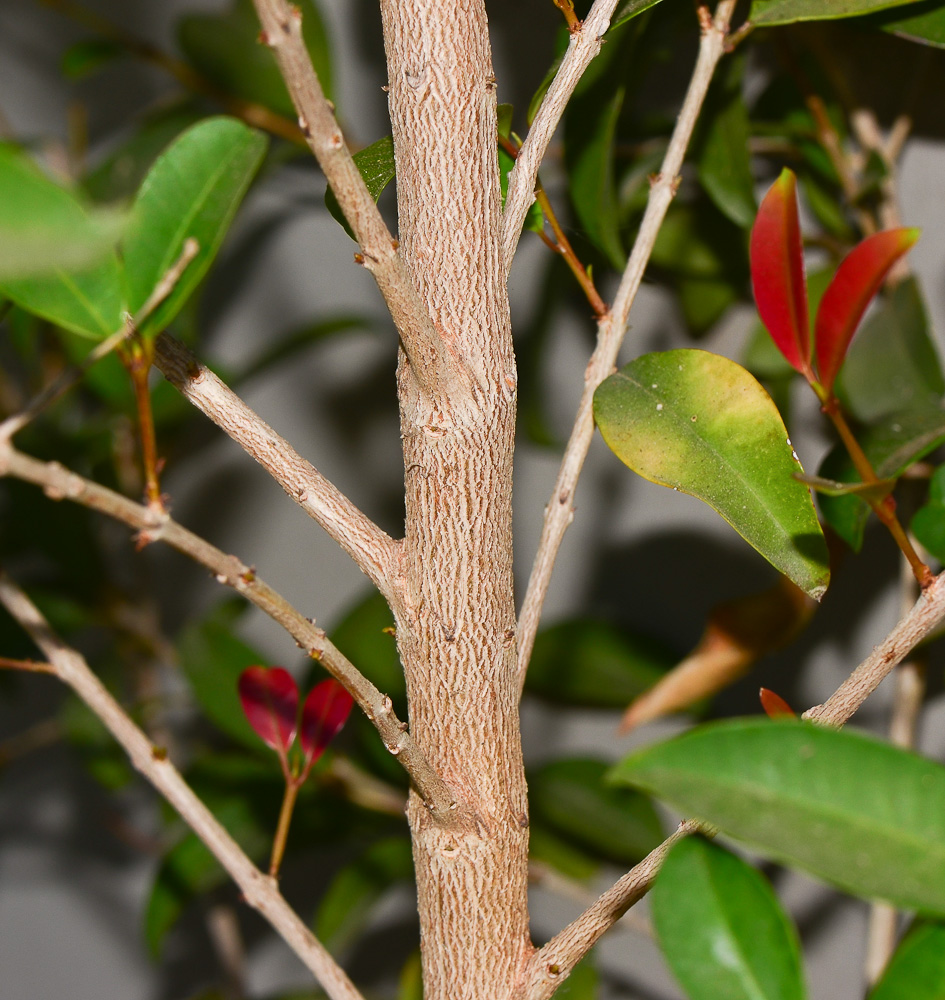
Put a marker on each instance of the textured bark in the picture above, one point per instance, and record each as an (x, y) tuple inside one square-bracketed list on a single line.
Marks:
[(455, 607)]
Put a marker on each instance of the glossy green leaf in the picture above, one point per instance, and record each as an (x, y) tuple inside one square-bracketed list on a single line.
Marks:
[(585, 662), (916, 970), (893, 365), (928, 524), (571, 798), (702, 424), (225, 48), (376, 165), (119, 175), (921, 22), (891, 445), (192, 191), (723, 157), (862, 814), (628, 9), (212, 659), (57, 260), (589, 161), (356, 889), (764, 12), (721, 928)]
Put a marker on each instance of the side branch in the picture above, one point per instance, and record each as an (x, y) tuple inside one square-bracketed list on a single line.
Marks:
[(548, 966), (612, 328), (59, 483), (432, 363), (260, 891), (584, 45), (371, 548)]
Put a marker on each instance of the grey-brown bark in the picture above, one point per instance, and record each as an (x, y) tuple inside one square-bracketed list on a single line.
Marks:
[(455, 608)]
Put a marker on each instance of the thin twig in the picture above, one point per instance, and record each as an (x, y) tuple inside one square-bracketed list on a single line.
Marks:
[(259, 891), (547, 968), (584, 45), (59, 483), (372, 549), (433, 364), (27, 666), (908, 695), (611, 330), (926, 614), (72, 375)]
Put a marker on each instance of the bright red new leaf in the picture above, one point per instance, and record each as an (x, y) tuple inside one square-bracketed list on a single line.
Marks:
[(270, 700), (858, 279), (777, 273), (324, 713), (775, 706)]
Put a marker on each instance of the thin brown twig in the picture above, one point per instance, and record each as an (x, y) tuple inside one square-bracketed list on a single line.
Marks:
[(433, 364), (560, 244), (28, 666), (60, 484), (547, 968), (584, 45), (567, 8), (70, 376), (372, 549), (151, 761), (611, 330)]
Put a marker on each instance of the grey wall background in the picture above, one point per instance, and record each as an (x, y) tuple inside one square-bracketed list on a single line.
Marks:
[(71, 894)]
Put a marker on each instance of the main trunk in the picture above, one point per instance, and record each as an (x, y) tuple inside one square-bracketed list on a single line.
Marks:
[(456, 613)]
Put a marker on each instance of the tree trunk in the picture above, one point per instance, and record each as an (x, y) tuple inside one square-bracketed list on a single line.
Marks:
[(455, 604)]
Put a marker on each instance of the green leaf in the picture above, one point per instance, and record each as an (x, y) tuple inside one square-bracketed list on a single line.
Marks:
[(928, 524), (916, 970), (723, 158), (702, 424), (87, 57), (765, 12), (192, 191), (376, 165), (862, 814), (365, 636), (570, 797), (721, 928), (119, 175), (585, 662), (924, 23), (892, 365), (629, 9), (57, 259), (212, 658), (225, 48), (550, 849), (353, 893), (589, 160), (583, 983), (189, 869), (892, 445)]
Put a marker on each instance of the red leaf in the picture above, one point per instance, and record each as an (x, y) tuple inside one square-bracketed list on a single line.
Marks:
[(270, 701), (775, 706), (858, 279), (324, 713), (777, 273)]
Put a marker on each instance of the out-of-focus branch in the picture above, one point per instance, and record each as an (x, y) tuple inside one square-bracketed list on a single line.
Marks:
[(261, 892)]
